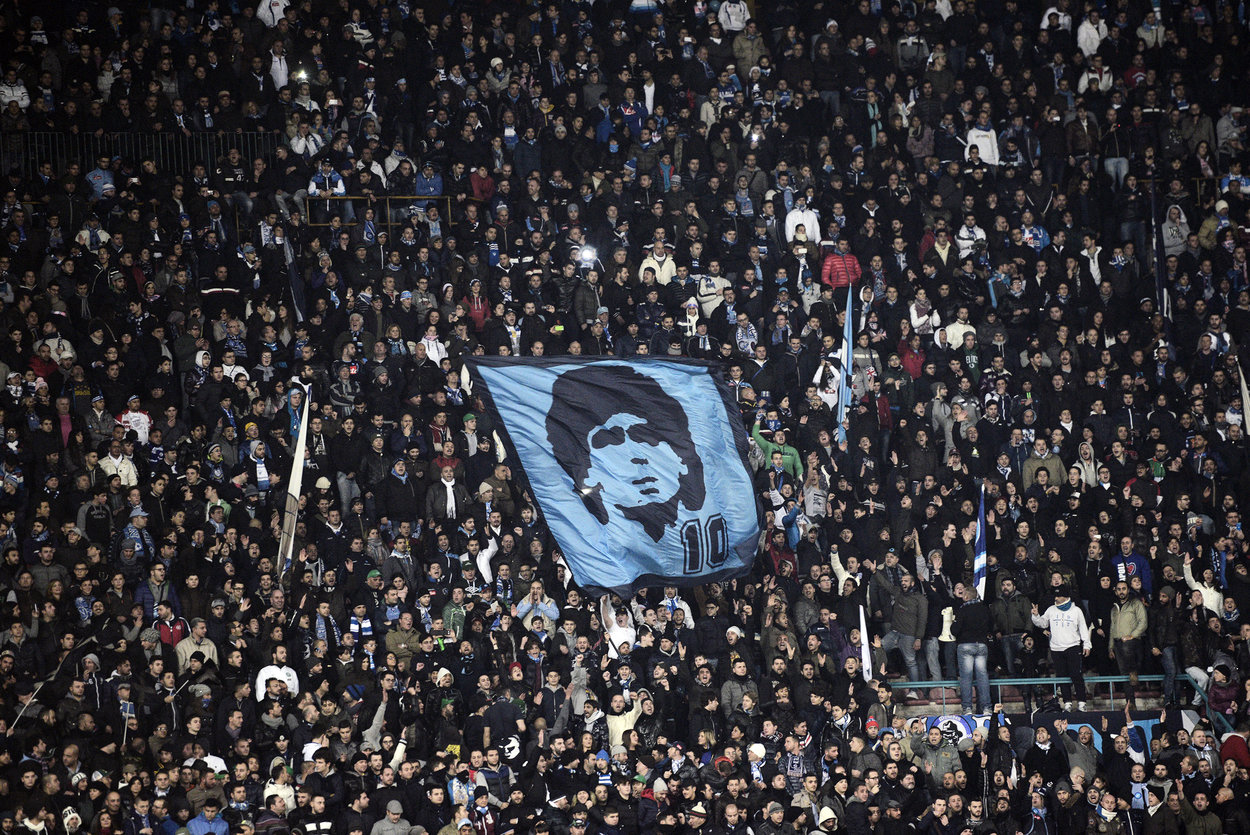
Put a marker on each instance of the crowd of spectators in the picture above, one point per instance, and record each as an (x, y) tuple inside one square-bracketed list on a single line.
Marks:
[(1038, 217)]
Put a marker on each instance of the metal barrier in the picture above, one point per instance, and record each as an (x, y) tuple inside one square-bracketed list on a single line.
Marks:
[(172, 153), (1053, 683), (384, 217), (1218, 720)]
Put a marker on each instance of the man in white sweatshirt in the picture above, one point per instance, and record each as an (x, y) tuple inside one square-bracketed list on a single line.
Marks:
[(983, 137), (1069, 642), (802, 215), (733, 16)]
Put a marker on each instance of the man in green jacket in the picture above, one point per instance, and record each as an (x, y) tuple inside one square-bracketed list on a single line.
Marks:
[(1196, 812), (1128, 623), (1013, 618), (790, 459)]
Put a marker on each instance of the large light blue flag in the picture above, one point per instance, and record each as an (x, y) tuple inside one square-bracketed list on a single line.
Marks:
[(639, 467), (848, 361), (979, 560)]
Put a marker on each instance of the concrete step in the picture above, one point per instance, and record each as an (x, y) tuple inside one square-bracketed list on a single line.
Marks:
[(942, 701)]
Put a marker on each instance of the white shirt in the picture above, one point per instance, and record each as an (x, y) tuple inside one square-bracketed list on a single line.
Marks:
[(1067, 627), (278, 70), (271, 11), (984, 139), (286, 674), (1089, 36), (805, 216)]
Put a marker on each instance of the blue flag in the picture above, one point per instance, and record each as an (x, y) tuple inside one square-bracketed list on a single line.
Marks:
[(979, 559), (639, 467), (848, 362)]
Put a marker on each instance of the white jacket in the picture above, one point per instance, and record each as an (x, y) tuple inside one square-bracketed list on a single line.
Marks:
[(14, 92), (955, 333), (271, 11), (967, 238), (809, 219), (122, 467), (984, 139), (1098, 80), (1212, 598), (665, 268), (308, 146), (1067, 627), (1089, 36), (733, 16)]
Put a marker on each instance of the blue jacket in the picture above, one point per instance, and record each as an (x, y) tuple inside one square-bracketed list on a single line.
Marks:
[(1134, 565), (200, 825)]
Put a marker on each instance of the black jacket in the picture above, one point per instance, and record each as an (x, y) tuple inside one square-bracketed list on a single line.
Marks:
[(973, 624)]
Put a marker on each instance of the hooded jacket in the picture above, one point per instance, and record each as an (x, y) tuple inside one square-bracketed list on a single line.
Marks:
[(1087, 464), (1175, 232), (1067, 626), (1050, 462)]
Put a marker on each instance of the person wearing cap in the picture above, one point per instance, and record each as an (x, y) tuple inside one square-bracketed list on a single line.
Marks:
[(1069, 642), (326, 183), (137, 530), (98, 420), (1163, 637), (484, 815), (1213, 224), (396, 497), (393, 821)]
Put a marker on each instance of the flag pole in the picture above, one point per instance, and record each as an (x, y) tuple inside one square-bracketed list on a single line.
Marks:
[(290, 509), (848, 348), (1245, 397), (864, 650), (980, 559)]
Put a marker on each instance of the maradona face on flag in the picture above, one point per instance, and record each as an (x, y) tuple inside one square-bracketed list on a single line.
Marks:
[(639, 467)]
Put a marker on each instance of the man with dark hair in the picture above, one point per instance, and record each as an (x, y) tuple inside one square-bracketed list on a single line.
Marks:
[(598, 442), (207, 822)]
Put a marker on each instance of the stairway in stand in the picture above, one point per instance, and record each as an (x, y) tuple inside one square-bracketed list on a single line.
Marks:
[(1149, 698)]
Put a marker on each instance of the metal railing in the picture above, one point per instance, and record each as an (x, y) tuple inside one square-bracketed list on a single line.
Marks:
[(391, 211), (172, 153), (996, 685), (1218, 720)]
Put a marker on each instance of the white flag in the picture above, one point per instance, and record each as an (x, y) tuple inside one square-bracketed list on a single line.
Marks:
[(290, 510), (864, 649)]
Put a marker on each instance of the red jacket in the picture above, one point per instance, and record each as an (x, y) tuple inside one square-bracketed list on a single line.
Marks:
[(42, 368), (840, 270), (913, 361), (173, 631), (882, 406), (1236, 749)]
